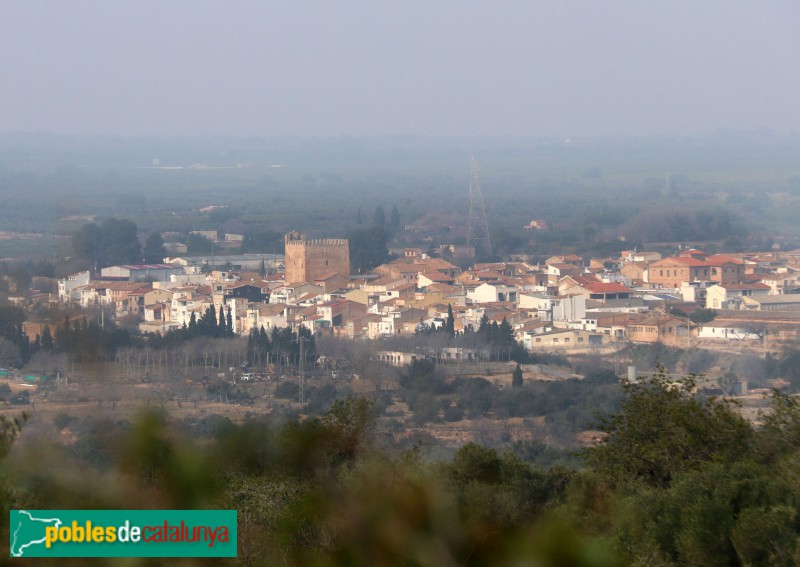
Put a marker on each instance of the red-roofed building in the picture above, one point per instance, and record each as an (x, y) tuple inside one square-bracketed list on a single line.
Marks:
[(675, 271)]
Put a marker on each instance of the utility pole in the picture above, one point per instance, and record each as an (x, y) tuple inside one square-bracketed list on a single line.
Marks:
[(302, 397)]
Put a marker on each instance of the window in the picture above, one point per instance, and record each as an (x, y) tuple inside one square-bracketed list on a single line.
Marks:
[(580, 339)]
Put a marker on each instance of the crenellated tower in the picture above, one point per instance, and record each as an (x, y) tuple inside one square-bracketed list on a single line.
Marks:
[(310, 259)]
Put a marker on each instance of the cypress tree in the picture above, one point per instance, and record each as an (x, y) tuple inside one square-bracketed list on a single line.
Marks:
[(47, 338), (516, 377), (263, 343), (193, 325), (222, 330), (450, 324)]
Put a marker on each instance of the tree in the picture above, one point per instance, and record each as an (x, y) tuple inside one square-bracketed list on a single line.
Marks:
[(379, 218), (47, 338), (394, 219), (349, 423), (154, 252), (115, 241), (21, 278), (483, 324), (120, 241), (192, 325), (222, 327), (10, 356), (198, 244), (516, 377), (87, 243), (208, 325), (450, 324), (368, 248), (662, 430), (265, 241), (702, 315)]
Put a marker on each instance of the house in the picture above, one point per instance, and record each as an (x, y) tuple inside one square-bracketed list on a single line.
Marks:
[(558, 270), (726, 270), (294, 293), (782, 283), (269, 316), (664, 329), (634, 272), (571, 259), (250, 292), (331, 281), (430, 278), (628, 256), (338, 313), (185, 302), (142, 272), (675, 271), (536, 224), (731, 296), (564, 339), (67, 285), (735, 332), (396, 323), (493, 293), (212, 235), (789, 302), (358, 327)]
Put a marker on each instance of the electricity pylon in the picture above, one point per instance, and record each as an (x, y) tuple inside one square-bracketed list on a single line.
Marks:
[(477, 224)]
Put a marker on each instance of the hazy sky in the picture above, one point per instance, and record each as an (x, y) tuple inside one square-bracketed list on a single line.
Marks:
[(433, 67)]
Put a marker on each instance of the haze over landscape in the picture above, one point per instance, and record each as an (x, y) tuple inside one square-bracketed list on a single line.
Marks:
[(442, 69)]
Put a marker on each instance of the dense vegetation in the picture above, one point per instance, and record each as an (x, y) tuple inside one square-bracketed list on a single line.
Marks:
[(675, 480)]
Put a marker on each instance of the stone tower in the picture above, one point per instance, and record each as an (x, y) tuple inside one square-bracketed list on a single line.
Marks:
[(308, 260)]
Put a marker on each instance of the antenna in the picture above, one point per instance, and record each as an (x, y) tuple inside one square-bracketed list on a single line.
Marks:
[(477, 224)]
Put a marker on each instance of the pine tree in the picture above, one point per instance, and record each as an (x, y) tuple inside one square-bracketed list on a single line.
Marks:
[(505, 338), (394, 218), (483, 326), (231, 331)]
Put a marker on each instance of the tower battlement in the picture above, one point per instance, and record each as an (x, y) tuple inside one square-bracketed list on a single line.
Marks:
[(319, 242)]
